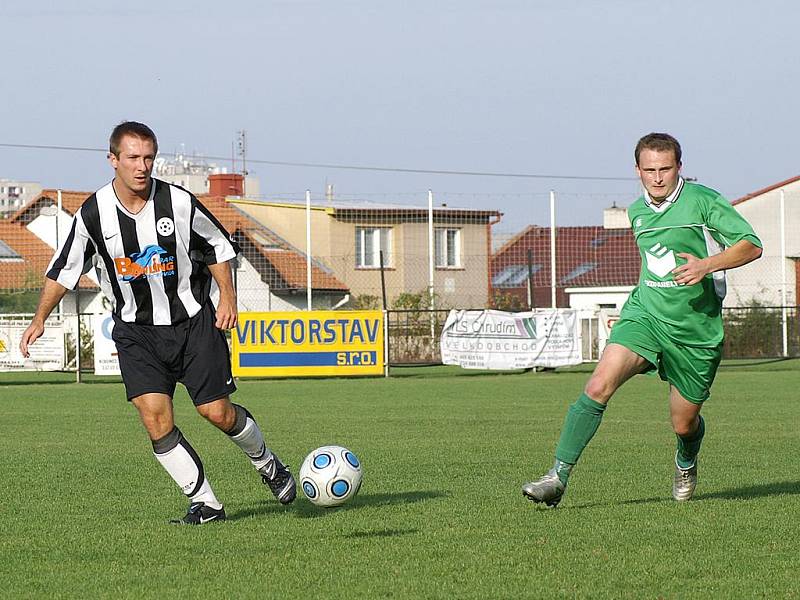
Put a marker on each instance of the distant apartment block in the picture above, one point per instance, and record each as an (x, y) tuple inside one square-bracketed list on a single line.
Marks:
[(192, 173), (16, 194)]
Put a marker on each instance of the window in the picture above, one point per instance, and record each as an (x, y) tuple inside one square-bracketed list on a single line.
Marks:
[(370, 241), (447, 244), (581, 269), (514, 276), (8, 254)]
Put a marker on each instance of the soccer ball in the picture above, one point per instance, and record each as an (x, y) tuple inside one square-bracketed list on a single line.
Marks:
[(330, 475)]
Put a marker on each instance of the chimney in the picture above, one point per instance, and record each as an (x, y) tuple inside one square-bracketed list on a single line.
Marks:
[(226, 184), (329, 193), (615, 218)]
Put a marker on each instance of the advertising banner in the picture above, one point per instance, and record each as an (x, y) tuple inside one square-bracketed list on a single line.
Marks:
[(308, 344), (47, 353), (492, 339), (105, 351)]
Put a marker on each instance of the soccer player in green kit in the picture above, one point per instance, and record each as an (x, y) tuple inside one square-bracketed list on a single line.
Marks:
[(687, 235)]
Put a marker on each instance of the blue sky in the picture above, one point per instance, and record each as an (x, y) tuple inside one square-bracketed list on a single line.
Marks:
[(504, 86)]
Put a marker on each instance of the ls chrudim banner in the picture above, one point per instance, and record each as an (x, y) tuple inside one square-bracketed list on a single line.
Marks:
[(307, 344), (492, 339)]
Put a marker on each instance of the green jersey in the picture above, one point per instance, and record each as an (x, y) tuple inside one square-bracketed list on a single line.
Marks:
[(698, 221)]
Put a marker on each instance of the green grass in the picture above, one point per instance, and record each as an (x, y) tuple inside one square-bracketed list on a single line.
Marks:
[(440, 515)]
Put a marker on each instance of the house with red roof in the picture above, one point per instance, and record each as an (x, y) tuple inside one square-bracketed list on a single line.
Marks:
[(270, 274), (28, 240), (595, 267)]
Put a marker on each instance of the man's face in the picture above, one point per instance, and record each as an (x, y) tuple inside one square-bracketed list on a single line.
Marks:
[(134, 163), (659, 172)]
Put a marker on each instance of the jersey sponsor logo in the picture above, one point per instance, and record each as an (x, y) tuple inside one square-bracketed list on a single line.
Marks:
[(165, 226), (147, 263), (660, 260), (661, 284)]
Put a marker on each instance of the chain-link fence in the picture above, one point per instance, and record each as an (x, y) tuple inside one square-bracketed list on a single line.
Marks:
[(435, 251)]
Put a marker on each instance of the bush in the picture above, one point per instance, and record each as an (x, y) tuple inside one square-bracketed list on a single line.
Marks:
[(753, 331)]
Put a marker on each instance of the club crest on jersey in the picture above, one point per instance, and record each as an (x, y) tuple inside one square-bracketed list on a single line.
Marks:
[(660, 260), (147, 263), (165, 226)]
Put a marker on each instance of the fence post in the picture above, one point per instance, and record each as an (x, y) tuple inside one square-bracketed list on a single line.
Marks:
[(783, 278), (57, 219), (385, 342), (531, 299), (78, 336), (553, 248), (383, 280), (308, 249), (431, 255)]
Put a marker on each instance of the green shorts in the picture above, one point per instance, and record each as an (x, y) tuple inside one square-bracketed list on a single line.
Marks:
[(690, 369)]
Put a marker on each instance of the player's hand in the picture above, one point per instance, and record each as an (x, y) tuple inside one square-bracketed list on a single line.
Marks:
[(227, 314), (29, 336), (692, 271)]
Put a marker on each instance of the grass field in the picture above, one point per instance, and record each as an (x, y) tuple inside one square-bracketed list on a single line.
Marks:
[(440, 513)]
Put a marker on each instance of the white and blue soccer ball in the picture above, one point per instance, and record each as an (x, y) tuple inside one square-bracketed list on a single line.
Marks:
[(330, 475)]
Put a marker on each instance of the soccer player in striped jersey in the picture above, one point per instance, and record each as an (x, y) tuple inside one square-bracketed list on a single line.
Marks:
[(687, 235), (160, 257)]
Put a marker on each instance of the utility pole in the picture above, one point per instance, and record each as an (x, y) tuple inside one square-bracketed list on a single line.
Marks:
[(241, 137)]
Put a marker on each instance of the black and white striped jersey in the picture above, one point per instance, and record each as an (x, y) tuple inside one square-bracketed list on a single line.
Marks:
[(151, 265)]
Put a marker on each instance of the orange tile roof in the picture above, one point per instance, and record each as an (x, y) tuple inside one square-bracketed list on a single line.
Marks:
[(70, 200), (288, 265), (28, 273)]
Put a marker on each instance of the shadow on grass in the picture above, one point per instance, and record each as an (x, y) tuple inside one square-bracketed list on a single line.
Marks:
[(776, 488), (380, 533), (303, 509), (750, 492), (755, 363)]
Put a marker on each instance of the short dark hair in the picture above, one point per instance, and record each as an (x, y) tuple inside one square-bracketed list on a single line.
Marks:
[(139, 130), (661, 142)]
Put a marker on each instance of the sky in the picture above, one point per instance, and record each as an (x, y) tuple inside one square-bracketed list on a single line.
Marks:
[(504, 86)]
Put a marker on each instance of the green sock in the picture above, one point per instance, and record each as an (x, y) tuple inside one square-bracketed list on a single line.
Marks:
[(580, 425), (563, 470), (689, 446)]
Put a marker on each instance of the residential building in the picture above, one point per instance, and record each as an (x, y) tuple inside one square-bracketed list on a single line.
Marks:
[(267, 274), (596, 266), (352, 238), (16, 194), (775, 277), (192, 173)]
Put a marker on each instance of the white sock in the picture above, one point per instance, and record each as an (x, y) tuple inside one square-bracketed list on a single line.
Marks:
[(251, 441), (185, 468)]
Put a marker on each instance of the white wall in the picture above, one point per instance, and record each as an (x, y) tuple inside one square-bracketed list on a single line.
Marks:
[(761, 280), (591, 298)]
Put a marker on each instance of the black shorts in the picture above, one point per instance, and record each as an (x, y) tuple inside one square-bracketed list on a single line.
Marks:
[(153, 358)]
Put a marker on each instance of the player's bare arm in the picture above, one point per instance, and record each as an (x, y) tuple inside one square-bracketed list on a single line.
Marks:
[(693, 271), (52, 294), (227, 313)]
